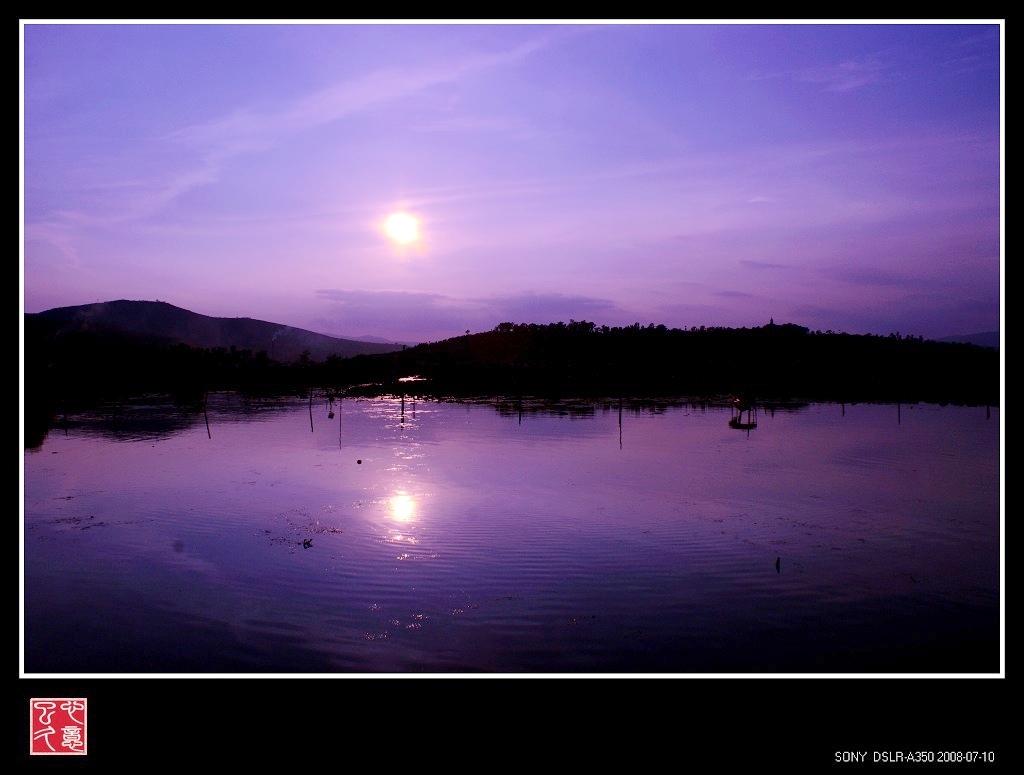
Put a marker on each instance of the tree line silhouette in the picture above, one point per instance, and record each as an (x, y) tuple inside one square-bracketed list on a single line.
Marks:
[(580, 358), (574, 359)]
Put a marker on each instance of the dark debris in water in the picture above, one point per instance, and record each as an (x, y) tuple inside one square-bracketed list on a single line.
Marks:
[(82, 523)]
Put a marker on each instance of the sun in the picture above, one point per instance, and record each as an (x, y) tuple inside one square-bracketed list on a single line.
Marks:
[(402, 228)]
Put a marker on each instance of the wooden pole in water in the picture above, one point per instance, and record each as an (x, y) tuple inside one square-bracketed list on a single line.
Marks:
[(620, 422), (206, 417)]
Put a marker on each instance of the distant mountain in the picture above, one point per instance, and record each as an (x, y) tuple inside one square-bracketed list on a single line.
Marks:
[(983, 339), (380, 340), (160, 322)]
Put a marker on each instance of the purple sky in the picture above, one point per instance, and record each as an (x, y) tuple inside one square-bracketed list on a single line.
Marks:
[(838, 176)]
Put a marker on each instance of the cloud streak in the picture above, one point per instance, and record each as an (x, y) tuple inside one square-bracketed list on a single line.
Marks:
[(444, 316), (211, 145)]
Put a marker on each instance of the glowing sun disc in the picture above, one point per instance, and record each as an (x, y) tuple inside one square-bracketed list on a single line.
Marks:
[(402, 228)]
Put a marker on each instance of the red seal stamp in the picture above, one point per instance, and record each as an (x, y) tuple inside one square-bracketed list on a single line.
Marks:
[(58, 726)]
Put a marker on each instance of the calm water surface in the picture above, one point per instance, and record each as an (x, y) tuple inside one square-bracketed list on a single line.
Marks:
[(379, 536)]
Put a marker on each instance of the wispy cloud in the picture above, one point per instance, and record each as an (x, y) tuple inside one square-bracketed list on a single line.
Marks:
[(246, 130), (747, 263), (974, 52), (845, 76), (355, 311), (728, 294), (197, 155), (839, 77), (510, 126), (551, 307)]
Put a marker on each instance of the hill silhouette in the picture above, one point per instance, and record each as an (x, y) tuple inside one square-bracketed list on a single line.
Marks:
[(983, 338), (161, 323), (78, 356)]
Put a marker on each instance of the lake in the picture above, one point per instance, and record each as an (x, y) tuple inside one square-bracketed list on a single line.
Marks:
[(401, 535)]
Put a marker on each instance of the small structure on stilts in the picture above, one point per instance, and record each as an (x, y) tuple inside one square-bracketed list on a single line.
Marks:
[(744, 415)]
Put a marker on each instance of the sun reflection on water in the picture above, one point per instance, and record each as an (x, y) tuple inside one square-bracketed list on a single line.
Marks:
[(401, 508)]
